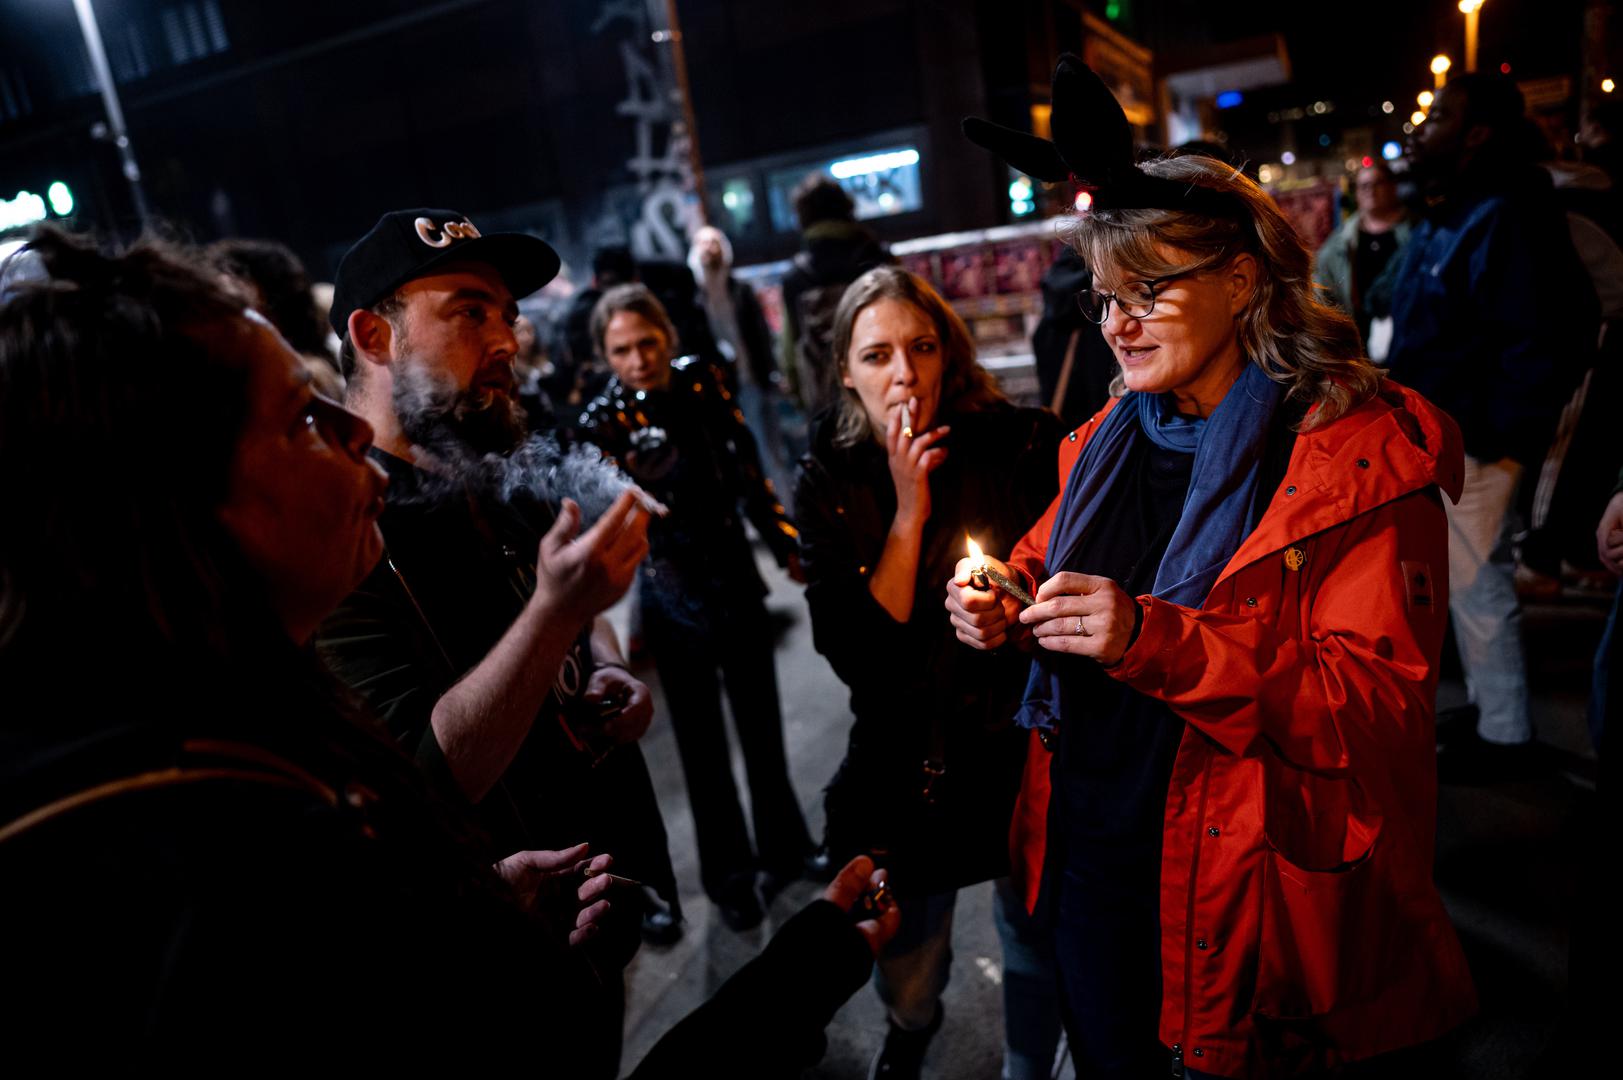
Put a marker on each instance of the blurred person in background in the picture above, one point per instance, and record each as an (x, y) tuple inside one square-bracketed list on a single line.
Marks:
[(834, 251), (676, 288), (1355, 254), (531, 366), (578, 371), (1562, 501), (743, 340), (674, 428), (1600, 138), (1495, 321), (283, 293), (1074, 365), (933, 761)]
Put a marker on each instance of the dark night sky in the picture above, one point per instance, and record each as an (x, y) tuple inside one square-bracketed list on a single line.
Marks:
[(771, 76), (1382, 48)]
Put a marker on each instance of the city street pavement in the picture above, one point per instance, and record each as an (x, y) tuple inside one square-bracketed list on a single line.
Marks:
[(1508, 862)]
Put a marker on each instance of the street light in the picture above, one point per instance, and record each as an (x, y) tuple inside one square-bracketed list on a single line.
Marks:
[(1471, 8), (1607, 86), (1439, 68), (1417, 118), (1425, 98), (115, 112)]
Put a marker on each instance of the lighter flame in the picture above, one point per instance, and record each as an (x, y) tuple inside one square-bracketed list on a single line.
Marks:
[(975, 551)]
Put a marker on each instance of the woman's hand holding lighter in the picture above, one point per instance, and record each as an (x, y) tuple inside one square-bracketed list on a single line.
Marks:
[(983, 618)]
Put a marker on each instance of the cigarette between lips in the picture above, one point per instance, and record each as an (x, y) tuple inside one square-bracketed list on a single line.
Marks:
[(907, 421)]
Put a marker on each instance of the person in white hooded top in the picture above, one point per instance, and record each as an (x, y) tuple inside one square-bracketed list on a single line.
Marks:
[(745, 341)]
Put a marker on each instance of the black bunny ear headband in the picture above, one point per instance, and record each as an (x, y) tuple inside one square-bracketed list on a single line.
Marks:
[(1093, 149)]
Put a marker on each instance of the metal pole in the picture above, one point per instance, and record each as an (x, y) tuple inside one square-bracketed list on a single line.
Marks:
[(1470, 38), (115, 113), (673, 31)]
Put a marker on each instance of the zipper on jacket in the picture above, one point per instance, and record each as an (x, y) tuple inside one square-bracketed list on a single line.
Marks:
[(1189, 916)]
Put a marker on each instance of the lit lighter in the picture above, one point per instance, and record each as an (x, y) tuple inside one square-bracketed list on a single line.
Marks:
[(874, 903), (983, 575)]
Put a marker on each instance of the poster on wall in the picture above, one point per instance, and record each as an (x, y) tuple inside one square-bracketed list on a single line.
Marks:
[(1019, 266), (966, 273), (922, 264)]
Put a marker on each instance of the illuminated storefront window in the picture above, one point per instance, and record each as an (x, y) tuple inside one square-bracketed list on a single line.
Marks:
[(882, 182)]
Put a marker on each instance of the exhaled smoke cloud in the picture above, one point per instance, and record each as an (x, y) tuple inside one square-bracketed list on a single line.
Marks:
[(546, 470), (540, 469), (473, 439)]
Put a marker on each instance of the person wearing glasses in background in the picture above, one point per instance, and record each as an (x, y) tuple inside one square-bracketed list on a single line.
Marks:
[(1355, 254), (1229, 803)]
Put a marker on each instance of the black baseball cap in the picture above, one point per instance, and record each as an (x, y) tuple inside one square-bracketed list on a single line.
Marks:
[(407, 244)]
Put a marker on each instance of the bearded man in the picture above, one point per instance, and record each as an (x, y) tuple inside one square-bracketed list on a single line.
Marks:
[(479, 639)]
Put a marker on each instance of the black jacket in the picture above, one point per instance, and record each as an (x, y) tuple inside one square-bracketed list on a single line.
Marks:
[(235, 879), (458, 572), (1093, 365), (1494, 317), (250, 873), (834, 254), (918, 693)]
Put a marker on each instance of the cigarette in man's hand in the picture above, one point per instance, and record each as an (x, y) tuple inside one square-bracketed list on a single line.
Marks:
[(651, 504), (616, 879), (907, 421)]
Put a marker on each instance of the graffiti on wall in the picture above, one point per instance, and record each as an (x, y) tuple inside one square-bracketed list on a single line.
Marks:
[(659, 163)]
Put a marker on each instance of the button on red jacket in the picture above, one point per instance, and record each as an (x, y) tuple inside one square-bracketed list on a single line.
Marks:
[(1299, 923)]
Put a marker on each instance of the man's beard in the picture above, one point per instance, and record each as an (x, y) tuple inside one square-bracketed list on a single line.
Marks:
[(458, 428)]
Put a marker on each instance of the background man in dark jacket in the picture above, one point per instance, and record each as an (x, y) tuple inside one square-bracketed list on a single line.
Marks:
[(572, 356), (1074, 363), (835, 251), (1494, 319)]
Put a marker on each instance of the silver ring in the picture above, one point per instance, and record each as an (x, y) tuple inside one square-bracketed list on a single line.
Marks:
[(1079, 629)]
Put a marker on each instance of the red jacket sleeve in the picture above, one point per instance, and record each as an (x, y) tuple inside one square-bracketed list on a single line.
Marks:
[(1344, 664)]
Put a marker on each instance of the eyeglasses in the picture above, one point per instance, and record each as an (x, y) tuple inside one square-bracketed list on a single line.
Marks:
[(1136, 299)]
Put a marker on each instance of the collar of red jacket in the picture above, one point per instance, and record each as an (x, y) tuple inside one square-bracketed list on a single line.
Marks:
[(1392, 445)]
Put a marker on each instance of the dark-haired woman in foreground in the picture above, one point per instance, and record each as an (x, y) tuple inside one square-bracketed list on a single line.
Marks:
[(207, 854), (1239, 613)]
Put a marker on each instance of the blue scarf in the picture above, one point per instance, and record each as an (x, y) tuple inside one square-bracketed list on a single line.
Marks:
[(1217, 512)]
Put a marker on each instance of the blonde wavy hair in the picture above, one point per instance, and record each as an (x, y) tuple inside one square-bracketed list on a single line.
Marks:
[(965, 385), (1311, 348)]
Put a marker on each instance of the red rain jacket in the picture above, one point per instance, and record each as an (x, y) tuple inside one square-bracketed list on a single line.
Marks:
[(1299, 923)]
